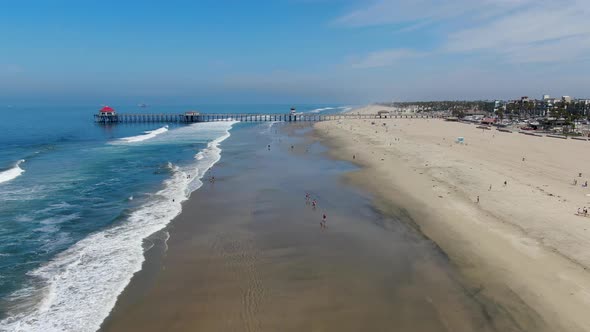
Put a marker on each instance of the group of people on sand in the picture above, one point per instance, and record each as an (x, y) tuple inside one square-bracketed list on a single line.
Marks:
[(314, 204), (585, 185), (584, 211)]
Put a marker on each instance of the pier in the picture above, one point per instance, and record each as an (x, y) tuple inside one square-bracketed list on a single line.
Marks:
[(192, 117)]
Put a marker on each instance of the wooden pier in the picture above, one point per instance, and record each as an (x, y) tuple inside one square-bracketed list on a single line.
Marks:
[(192, 117)]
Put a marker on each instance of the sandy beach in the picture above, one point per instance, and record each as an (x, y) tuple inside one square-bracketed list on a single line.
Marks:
[(248, 254), (295, 166), (522, 246)]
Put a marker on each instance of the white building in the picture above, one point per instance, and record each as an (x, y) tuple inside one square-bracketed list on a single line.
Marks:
[(546, 97), (566, 99)]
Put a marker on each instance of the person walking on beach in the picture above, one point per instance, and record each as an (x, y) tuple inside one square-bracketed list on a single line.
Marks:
[(477, 199), (323, 223), (314, 204), (490, 189)]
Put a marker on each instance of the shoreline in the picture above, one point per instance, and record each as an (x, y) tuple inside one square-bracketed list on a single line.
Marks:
[(263, 263), (501, 261), (78, 287)]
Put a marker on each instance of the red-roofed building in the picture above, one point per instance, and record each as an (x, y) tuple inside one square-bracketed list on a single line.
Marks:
[(488, 121), (107, 110)]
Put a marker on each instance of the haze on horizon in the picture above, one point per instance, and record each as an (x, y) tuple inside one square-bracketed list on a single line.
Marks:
[(287, 51)]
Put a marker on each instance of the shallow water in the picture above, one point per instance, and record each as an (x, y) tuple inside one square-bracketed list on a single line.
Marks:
[(248, 254), (74, 214)]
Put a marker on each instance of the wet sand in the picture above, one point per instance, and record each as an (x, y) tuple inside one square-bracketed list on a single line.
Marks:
[(248, 254)]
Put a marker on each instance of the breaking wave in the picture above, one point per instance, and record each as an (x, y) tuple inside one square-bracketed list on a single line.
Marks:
[(12, 173), (81, 285), (145, 136)]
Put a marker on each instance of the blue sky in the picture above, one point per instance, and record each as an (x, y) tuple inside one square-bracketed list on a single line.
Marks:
[(292, 51)]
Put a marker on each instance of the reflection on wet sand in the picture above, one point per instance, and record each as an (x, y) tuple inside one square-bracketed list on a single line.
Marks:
[(248, 254)]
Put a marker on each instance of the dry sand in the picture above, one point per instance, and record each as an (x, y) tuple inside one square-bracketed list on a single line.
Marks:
[(521, 246)]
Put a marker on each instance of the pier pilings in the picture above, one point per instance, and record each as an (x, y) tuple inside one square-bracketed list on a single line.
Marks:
[(245, 117)]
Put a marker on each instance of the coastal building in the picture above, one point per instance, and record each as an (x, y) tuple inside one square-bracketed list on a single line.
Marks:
[(475, 112), (488, 121), (552, 101), (566, 99), (107, 111), (106, 114), (546, 97), (383, 114), (191, 116)]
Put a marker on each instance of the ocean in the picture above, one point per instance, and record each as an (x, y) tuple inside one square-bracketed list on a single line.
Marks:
[(78, 201)]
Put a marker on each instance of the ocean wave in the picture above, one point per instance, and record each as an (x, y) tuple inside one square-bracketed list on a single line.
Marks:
[(55, 207), (12, 173), (267, 126), (81, 285), (59, 219), (145, 136), (318, 110)]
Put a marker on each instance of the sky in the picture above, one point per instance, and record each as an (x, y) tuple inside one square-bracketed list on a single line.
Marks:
[(291, 51)]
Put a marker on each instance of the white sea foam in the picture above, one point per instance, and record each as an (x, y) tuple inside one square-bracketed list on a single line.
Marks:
[(82, 283), (12, 173), (317, 110), (145, 136), (267, 126)]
